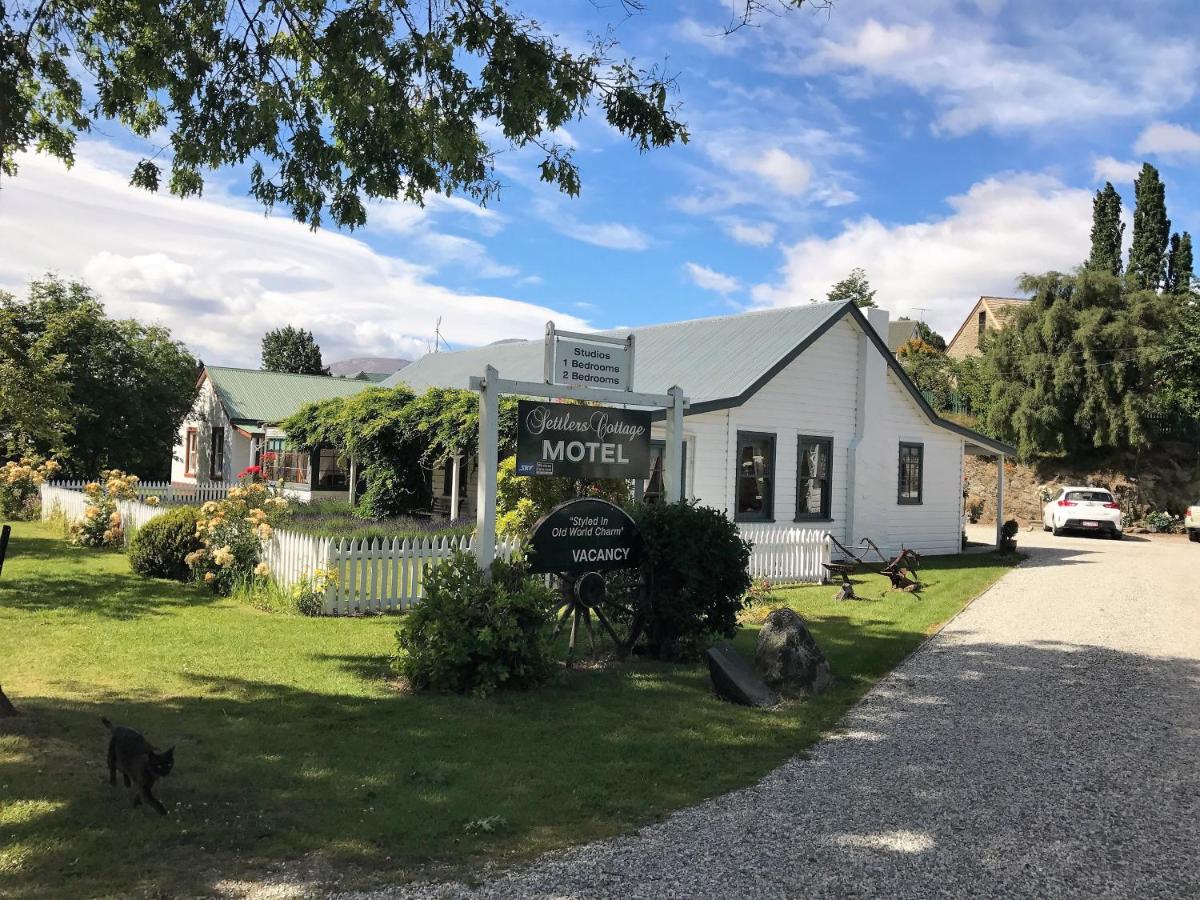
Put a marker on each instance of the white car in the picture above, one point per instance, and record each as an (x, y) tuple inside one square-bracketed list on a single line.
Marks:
[(1083, 509), (1191, 522)]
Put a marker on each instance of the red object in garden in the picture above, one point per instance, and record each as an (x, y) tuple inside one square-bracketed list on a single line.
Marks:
[(252, 472)]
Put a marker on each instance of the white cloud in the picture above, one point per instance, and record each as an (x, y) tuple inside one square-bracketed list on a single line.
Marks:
[(1030, 69), (752, 234), (999, 229), (1120, 171), (710, 279), (612, 235), (788, 173), (219, 275), (710, 37), (1168, 139)]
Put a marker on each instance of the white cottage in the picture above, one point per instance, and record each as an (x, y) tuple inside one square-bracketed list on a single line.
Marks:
[(234, 423), (797, 415)]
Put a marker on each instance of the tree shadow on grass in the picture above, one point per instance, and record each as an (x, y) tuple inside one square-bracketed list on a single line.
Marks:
[(112, 595), (383, 782), (24, 546)]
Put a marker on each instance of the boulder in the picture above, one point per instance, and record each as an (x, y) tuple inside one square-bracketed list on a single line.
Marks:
[(734, 679), (788, 658)]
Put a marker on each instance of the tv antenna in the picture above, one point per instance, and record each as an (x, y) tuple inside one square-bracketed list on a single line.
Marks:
[(438, 340), (918, 309)]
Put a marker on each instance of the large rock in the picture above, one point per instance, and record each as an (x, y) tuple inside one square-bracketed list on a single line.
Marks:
[(734, 679), (788, 658)]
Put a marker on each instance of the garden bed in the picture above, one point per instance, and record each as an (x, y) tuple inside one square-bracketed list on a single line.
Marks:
[(337, 519), (293, 741)]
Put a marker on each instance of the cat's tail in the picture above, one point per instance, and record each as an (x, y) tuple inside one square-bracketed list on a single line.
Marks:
[(107, 724)]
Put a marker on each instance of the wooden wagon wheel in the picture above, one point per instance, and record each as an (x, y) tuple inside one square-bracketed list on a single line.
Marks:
[(591, 594)]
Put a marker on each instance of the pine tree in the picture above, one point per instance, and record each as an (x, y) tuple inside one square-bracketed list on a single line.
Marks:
[(1107, 231), (1179, 265), (1151, 228)]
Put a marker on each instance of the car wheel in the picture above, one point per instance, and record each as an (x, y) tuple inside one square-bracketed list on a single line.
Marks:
[(1118, 535), (1194, 535), (1057, 531), (1045, 527)]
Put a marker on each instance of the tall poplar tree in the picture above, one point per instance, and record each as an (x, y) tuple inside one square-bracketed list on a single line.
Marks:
[(1180, 272), (1107, 231), (1151, 229)]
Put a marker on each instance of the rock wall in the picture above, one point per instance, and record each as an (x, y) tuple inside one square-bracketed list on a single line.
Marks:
[(1167, 478)]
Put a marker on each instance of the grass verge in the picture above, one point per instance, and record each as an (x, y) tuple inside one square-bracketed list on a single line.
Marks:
[(292, 744)]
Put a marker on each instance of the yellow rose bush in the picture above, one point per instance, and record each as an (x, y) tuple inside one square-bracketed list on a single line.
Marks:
[(101, 523), (233, 532), (308, 593), (19, 483)]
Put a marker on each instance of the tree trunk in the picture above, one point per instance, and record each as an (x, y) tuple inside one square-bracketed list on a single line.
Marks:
[(7, 710)]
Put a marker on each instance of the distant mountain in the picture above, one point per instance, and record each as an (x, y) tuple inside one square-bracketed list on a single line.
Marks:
[(382, 365)]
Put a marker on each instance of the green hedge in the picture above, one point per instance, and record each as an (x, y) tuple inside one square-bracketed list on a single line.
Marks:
[(159, 547)]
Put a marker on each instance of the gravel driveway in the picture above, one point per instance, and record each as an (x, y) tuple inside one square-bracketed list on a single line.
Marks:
[(1046, 743)]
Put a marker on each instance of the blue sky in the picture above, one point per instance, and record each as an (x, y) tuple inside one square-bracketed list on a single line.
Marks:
[(944, 147)]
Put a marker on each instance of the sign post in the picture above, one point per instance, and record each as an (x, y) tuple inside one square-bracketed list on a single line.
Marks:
[(594, 368)]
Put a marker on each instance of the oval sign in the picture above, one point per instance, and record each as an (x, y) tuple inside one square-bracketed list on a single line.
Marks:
[(584, 535)]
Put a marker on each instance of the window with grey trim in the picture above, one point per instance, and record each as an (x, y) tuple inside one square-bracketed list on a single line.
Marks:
[(755, 477), (912, 473), (814, 468)]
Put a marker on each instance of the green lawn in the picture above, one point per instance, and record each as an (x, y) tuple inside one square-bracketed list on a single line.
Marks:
[(292, 742)]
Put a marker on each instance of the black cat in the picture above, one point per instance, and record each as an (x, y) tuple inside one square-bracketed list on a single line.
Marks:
[(139, 762)]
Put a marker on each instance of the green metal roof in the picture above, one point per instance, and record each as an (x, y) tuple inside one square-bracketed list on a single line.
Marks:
[(252, 395), (719, 362), (711, 359)]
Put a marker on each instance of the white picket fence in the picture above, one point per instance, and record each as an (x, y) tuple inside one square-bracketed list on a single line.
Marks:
[(380, 575), (788, 555), (64, 501), (71, 504), (134, 515), (164, 490), (375, 575)]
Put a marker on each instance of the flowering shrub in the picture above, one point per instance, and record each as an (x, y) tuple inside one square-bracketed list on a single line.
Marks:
[(19, 482), (761, 592), (101, 523), (309, 592), (253, 473), (233, 531)]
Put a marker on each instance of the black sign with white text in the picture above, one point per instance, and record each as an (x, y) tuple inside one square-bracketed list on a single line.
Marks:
[(584, 535), (576, 441)]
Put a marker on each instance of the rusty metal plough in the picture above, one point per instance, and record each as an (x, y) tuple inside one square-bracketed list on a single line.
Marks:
[(900, 570)]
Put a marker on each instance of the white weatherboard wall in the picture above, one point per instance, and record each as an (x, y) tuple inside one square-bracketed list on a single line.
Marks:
[(208, 413), (839, 387), (935, 525)]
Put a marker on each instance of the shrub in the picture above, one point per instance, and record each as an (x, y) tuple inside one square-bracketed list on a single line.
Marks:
[(19, 483), (761, 593), (101, 523), (697, 566), (161, 546), (308, 594), (233, 531), (974, 508), (474, 634)]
